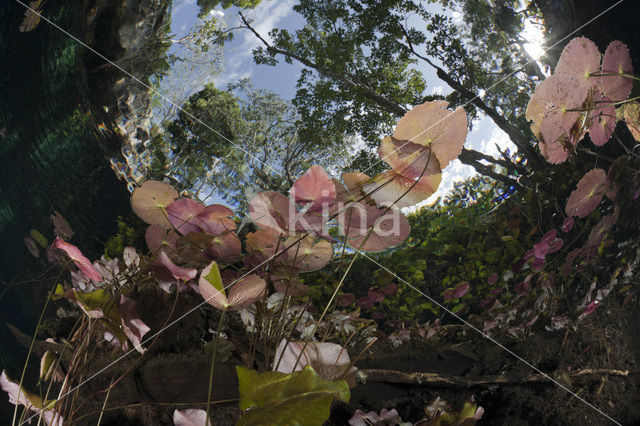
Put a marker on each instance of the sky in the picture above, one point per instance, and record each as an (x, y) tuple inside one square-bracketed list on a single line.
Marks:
[(238, 64)]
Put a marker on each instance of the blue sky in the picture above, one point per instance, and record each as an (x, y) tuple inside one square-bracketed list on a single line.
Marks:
[(281, 79)]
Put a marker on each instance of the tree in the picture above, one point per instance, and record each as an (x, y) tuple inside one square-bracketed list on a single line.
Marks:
[(236, 142), (361, 59)]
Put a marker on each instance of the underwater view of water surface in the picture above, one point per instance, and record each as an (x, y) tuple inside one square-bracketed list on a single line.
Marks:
[(312, 212)]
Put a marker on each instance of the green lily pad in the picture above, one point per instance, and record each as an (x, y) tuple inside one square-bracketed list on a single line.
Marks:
[(300, 398)]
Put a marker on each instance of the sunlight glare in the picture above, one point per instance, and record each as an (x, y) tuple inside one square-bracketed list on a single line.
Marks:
[(534, 36)]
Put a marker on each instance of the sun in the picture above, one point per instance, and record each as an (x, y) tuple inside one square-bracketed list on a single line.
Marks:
[(533, 35)]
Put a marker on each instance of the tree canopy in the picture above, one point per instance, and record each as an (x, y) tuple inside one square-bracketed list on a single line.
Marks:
[(236, 142), (363, 58)]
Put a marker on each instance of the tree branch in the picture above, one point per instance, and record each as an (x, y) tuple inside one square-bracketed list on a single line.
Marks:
[(459, 382), (469, 157), (514, 134), (382, 101)]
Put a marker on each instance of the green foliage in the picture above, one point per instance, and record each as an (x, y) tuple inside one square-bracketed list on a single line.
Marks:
[(128, 235), (300, 398)]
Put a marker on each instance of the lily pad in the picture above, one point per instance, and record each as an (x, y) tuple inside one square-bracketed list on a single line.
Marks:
[(300, 398), (150, 200)]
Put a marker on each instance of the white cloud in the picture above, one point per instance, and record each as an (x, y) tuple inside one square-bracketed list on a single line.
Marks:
[(438, 90)]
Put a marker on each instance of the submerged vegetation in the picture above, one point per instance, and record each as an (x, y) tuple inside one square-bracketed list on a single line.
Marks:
[(283, 307)]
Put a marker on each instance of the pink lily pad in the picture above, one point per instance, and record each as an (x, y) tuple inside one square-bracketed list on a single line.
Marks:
[(390, 187), (183, 215), (306, 255), (245, 292), (61, 227), (588, 194), (602, 121), (150, 200), (567, 224), (160, 238), (460, 290), (78, 258), (432, 124), (226, 248), (345, 300), (132, 326), (617, 61), (580, 58), (216, 219), (272, 210), (599, 231), (408, 159), (376, 229), (314, 188), (163, 266)]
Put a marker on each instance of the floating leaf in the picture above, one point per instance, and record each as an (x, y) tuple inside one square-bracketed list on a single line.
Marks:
[(432, 124), (602, 121), (617, 61), (183, 213), (329, 360), (159, 238), (372, 229), (390, 187), (216, 219), (598, 232), (566, 93), (244, 292), (132, 326), (163, 266), (149, 202), (408, 159), (460, 290), (314, 188), (61, 227), (271, 210), (588, 194), (345, 300), (78, 258), (300, 398), (567, 224), (580, 58), (306, 255), (226, 248), (19, 396)]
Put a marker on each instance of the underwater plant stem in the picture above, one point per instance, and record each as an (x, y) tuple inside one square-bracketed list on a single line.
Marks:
[(213, 363), (33, 341), (104, 404), (326, 308)]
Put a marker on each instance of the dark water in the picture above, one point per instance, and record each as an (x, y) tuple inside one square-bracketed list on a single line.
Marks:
[(50, 160)]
